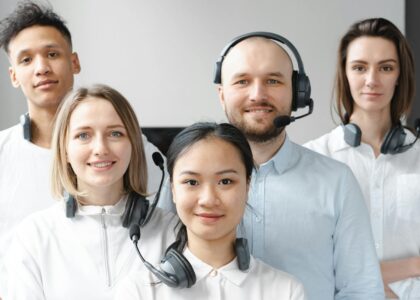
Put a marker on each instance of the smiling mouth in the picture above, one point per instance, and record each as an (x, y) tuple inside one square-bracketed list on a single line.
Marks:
[(101, 164)]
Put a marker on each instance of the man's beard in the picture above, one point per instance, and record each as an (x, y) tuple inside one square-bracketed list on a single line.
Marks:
[(253, 133)]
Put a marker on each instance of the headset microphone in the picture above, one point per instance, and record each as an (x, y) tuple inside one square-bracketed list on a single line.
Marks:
[(158, 160), (282, 121)]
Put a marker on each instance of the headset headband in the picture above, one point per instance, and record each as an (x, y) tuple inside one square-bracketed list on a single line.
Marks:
[(268, 35)]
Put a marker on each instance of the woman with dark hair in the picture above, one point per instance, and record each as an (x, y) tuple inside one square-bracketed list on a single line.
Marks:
[(210, 167), (374, 93)]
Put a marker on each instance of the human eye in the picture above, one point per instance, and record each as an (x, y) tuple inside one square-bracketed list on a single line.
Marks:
[(83, 136), (273, 81), (191, 182), (116, 133), (53, 54), (225, 181), (358, 68), (241, 82), (25, 60), (387, 68)]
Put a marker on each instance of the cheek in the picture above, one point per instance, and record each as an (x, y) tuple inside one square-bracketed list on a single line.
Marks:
[(184, 202)]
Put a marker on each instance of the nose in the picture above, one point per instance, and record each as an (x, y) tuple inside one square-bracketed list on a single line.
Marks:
[(208, 196), (100, 146), (258, 91), (372, 78), (42, 66)]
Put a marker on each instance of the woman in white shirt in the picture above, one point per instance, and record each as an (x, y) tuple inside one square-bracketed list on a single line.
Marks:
[(374, 92), (210, 166), (79, 248)]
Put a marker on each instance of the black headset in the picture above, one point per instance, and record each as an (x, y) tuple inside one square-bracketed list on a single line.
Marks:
[(25, 121), (137, 207), (393, 142), (300, 82), (175, 270)]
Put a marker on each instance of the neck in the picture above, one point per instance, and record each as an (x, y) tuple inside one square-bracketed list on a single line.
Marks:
[(42, 122), (374, 127), (263, 152), (216, 253), (100, 196)]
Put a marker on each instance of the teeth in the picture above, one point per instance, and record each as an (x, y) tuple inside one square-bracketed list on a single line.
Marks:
[(261, 110), (102, 164)]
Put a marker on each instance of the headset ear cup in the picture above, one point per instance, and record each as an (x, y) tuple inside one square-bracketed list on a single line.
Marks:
[(393, 140), (126, 216), (294, 91), (177, 266), (352, 135), (218, 73), (135, 210)]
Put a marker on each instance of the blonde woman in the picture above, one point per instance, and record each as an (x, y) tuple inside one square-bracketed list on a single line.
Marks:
[(79, 248)]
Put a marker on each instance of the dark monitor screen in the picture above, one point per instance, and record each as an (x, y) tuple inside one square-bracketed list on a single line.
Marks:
[(161, 137)]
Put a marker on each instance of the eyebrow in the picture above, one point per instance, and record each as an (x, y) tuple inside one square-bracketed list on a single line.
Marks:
[(242, 74), (188, 172), (380, 62), (85, 127), (48, 46)]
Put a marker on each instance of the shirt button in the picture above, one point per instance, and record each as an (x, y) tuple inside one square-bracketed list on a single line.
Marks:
[(213, 273), (377, 245)]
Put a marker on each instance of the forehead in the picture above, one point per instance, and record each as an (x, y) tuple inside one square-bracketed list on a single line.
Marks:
[(209, 153), (37, 37), (257, 54), (92, 112), (371, 48)]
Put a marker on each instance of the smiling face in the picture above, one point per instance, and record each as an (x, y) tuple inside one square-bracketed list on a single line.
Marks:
[(209, 187), (256, 87), (43, 65), (98, 147), (372, 70)]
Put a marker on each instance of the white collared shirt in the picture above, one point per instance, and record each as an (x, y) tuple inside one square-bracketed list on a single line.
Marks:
[(84, 257), (391, 188), (25, 183), (228, 282)]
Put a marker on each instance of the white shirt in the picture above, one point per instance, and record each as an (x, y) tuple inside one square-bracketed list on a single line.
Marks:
[(391, 188), (260, 282), (55, 257), (25, 182)]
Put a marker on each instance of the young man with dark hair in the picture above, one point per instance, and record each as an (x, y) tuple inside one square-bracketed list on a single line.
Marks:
[(43, 65)]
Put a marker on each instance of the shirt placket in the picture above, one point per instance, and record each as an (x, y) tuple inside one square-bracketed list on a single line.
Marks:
[(377, 205)]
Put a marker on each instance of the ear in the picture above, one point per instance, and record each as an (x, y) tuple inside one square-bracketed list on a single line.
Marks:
[(221, 96), (75, 63), (173, 193), (13, 79)]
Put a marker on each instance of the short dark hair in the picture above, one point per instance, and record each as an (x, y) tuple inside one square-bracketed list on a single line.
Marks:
[(404, 92), (202, 130), (29, 14)]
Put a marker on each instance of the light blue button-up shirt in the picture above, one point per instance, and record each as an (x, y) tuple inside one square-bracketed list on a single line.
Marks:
[(307, 217)]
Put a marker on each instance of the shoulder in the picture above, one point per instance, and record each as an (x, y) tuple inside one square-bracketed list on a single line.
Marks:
[(9, 134), (270, 277), (40, 222), (326, 143)]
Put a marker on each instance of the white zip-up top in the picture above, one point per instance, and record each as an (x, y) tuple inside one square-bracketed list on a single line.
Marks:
[(55, 257)]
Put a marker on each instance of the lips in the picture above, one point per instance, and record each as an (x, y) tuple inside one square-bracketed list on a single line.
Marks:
[(101, 164), (45, 83), (209, 217), (259, 109)]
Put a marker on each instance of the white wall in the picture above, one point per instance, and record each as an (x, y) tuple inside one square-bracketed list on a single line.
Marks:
[(161, 54)]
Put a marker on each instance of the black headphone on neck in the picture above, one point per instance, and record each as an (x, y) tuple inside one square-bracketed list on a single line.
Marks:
[(393, 142), (137, 207), (174, 269), (25, 121), (300, 82)]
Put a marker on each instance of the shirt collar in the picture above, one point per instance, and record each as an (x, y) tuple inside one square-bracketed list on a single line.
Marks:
[(112, 210), (282, 160), (230, 271)]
